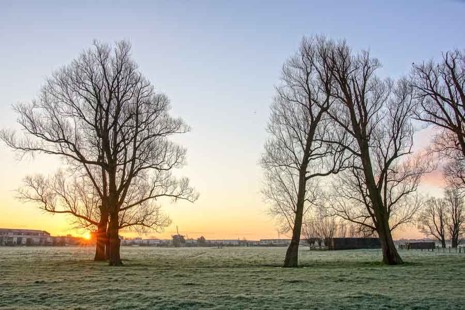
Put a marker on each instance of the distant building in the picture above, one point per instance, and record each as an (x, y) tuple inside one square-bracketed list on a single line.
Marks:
[(231, 242), (352, 243), (24, 237), (145, 242), (274, 242), (424, 245)]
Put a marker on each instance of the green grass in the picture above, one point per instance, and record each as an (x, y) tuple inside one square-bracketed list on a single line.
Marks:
[(228, 278)]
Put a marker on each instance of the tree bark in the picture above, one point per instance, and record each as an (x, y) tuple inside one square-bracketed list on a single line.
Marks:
[(107, 246), (113, 234), (443, 243), (390, 254), (100, 247), (292, 253), (101, 239)]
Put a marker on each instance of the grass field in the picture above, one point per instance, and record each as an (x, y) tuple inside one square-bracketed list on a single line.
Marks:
[(228, 278)]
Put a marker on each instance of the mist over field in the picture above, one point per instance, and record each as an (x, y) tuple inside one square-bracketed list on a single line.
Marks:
[(228, 278)]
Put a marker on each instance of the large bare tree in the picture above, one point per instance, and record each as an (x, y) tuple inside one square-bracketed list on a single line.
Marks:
[(106, 120), (377, 115), (296, 152)]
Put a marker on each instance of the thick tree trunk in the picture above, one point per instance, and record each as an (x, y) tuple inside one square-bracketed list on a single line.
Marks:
[(113, 234), (443, 243), (101, 239), (292, 253), (100, 246), (107, 246), (390, 254), (455, 241)]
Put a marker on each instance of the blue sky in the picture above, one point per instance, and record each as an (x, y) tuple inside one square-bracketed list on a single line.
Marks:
[(218, 62)]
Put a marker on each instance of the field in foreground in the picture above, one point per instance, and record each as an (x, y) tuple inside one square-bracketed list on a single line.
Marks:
[(228, 278)]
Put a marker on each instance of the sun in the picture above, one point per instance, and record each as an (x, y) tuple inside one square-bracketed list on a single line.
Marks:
[(86, 235)]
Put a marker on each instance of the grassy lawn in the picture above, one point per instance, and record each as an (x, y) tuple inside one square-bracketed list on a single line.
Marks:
[(228, 278)]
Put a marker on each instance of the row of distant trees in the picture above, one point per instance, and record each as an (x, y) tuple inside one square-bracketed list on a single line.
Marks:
[(341, 140), (444, 218)]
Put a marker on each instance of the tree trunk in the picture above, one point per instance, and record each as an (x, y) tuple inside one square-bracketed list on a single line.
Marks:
[(443, 243), (100, 252), (113, 234), (390, 254), (101, 239), (292, 253), (107, 246), (454, 241)]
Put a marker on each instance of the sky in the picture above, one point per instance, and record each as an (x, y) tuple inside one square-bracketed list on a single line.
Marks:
[(218, 62)]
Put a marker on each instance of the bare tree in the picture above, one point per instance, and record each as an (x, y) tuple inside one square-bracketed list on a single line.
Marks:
[(432, 220), (455, 215), (444, 217), (377, 115), (105, 119), (440, 96), (319, 226), (322, 225), (296, 154)]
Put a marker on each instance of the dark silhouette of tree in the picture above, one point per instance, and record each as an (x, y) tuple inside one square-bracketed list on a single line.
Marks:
[(105, 120), (377, 115), (296, 153), (432, 220), (440, 98)]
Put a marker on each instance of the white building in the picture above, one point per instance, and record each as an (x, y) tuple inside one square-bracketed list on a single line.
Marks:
[(24, 237)]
